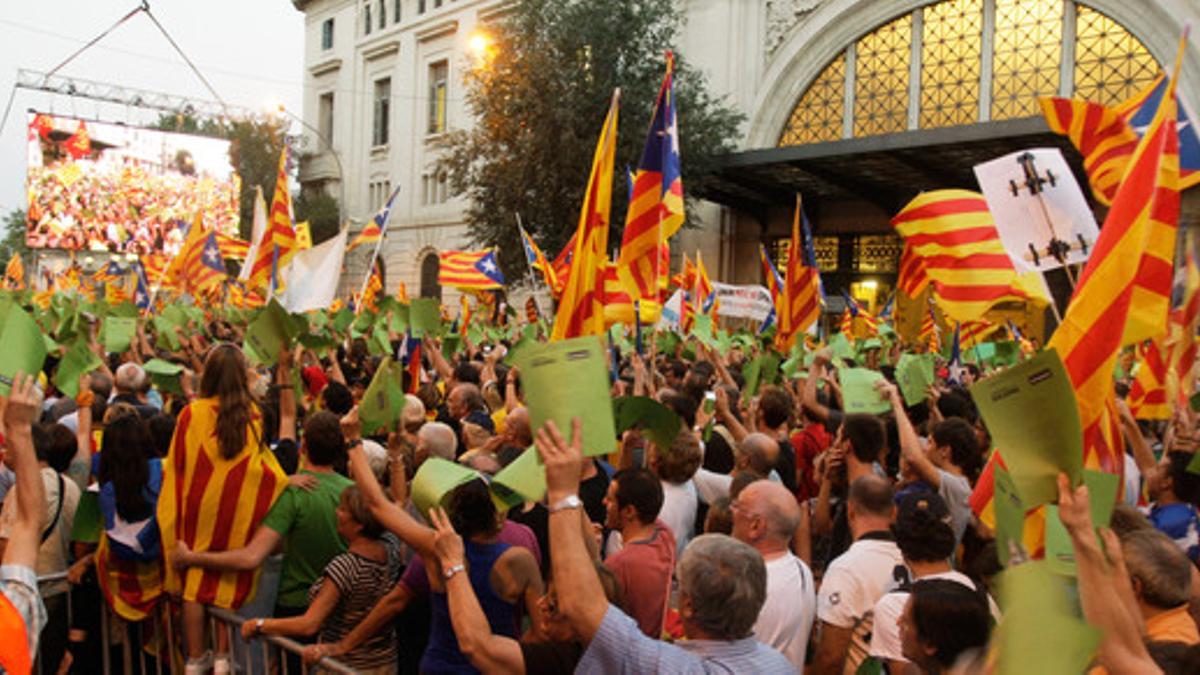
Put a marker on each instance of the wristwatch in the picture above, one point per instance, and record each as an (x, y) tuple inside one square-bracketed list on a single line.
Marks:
[(568, 502), (454, 569), (258, 626)]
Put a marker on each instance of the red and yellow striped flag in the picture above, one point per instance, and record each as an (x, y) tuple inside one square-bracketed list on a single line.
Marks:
[(370, 294), (1145, 211), (960, 250), (1182, 340), (132, 587), (1148, 395), (1102, 136), (278, 243), (14, 273), (655, 203), (231, 247), (801, 306), (581, 310), (912, 279), (214, 504)]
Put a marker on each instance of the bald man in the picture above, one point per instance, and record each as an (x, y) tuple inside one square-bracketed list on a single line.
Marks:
[(765, 515)]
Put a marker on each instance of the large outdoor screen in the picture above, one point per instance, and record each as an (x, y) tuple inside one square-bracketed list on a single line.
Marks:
[(109, 187)]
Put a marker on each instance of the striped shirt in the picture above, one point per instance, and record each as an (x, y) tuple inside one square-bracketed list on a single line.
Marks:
[(361, 582)]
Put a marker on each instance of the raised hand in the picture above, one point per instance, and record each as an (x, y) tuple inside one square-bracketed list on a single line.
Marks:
[(563, 460)]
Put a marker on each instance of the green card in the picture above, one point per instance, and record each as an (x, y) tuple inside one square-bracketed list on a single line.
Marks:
[(383, 401), (318, 342), (702, 330), (165, 375), (425, 317), (1031, 413), (760, 372), (378, 341), (118, 333), (667, 341), (126, 309), (568, 379), (88, 522), (1102, 498), (525, 477), (451, 343), (1010, 516), (1041, 632), (659, 423), (842, 348), (914, 375), (165, 332), (362, 323), (23, 348), (859, 394), (1008, 353), (398, 318), (267, 334), (436, 479), (175, 315), (78, 360)]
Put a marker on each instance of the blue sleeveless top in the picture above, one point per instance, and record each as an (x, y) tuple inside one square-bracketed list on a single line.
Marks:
[(443, 655)]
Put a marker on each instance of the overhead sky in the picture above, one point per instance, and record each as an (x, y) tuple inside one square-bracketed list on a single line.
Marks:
[(251, 51)]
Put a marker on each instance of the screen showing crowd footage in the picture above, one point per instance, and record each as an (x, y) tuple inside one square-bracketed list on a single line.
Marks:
[(109, 187)]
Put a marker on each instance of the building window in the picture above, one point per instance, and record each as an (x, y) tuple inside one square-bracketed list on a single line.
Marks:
[(325, 117), (877, 253), (420, 6), (430, 288), (818, 116), (1026, 62), (367, 19), (881, 79), (438, 76), (1110, 64), (382, 109), (396, 10), (951, 46), (327, 34), (382, 14), (1022, 41)]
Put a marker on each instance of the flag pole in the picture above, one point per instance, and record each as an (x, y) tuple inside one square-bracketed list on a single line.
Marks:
[(375, 254)]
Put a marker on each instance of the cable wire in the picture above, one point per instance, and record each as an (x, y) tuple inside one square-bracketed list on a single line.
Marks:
[(145, 6)]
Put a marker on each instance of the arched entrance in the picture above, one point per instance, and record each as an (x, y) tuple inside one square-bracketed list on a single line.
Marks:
[(430, 288)]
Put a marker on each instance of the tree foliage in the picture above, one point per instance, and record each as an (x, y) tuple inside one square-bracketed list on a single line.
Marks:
[(14, 238), (539, 97)]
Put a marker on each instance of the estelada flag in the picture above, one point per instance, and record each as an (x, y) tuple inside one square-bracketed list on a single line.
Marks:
[(80, 144), (212, 503)]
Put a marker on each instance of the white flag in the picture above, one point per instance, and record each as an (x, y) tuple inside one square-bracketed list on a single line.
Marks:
[(260, 225), (312, 277)]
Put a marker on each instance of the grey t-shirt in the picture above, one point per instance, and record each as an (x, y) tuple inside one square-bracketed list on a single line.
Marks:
[(956, 491)]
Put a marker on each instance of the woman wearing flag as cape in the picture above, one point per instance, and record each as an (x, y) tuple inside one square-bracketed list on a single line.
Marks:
[(219, 481)]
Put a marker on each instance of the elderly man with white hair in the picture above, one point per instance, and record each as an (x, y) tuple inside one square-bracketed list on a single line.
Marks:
[(130, 384)]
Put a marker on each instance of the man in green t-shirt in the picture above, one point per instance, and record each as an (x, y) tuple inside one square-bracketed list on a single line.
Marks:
[(302, 521)]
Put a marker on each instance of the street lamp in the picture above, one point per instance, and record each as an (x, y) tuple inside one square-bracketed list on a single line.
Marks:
[(337, 160)]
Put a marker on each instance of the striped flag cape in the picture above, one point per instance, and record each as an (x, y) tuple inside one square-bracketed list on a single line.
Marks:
[(960, 250), (278, 243), (581, 309), (1148, 394), (475, 270), (1146, 209), (802, 294), (14, 273), (537, 260), (214, 504), (131, 587), (1107, 137), (655, 211), (372, 232)]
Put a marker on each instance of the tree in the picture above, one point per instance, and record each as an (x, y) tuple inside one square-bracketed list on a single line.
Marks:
[(14, 239), (254, 148), (539, 97)]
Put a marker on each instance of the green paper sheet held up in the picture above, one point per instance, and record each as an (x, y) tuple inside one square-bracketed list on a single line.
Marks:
[(567, 379), (1031, 414), (383, 401), (434, 480), (525, 476), (914, 374), (425, 317), (23, 347), (859, 394)]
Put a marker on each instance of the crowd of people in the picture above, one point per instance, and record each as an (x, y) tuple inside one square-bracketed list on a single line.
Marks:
[(122, 209), (775, 533)]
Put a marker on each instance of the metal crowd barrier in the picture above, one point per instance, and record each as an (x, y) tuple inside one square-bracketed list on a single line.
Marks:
[(116, 633)]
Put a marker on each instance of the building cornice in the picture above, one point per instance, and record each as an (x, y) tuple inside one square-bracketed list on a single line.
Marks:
[(381, 50), (437, 30), (326, 66)]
